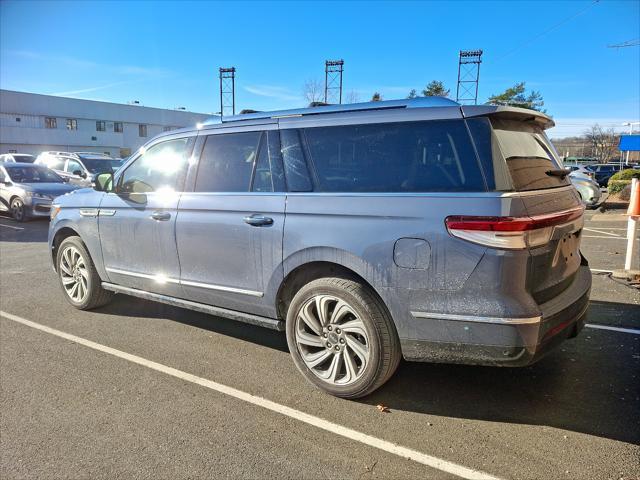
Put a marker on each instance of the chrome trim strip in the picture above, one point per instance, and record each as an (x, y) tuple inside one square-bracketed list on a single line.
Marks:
[(478, 319), (533, 193), (106, 212), (88, 212), (158, 278), (221, 288), (162, 279)]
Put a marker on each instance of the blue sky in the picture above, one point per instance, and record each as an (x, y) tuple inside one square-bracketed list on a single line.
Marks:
[(167, 54)]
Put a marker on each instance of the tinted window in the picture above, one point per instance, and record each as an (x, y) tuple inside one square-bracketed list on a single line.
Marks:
[(528, 155), (55, 163), (295, 166), (32, 174), (262, 180), (395, 157), (73, 166), (160, 167), (227, 162)]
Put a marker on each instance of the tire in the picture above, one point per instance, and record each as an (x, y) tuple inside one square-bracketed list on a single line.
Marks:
[(341, 337), (18, 211), (75, 268)]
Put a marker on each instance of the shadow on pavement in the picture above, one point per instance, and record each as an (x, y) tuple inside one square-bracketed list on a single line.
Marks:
[(35, 230), (590, 385), (136, 307)]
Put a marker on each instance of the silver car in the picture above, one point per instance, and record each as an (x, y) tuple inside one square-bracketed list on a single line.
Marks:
[(26, 190), (78, 168), (420, 228), (588, 188)]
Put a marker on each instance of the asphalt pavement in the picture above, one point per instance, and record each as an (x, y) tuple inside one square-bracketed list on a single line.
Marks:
[(137, 390)]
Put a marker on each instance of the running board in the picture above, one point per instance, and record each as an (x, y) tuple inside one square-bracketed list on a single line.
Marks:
[(199, 307)]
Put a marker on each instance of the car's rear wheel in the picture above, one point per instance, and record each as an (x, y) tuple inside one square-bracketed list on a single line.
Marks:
[(341, 337), (78, 277), (18, 211)]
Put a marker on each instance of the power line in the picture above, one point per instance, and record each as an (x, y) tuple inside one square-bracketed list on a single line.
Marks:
[(554, 27)]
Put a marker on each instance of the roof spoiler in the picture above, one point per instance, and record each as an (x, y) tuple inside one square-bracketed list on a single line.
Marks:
[(514, 113)]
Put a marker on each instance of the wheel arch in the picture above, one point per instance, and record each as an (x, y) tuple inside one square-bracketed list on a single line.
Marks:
[(312, 270), (58, 238)]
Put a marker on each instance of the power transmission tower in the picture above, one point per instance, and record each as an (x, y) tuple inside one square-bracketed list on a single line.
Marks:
[(333, 81), (468, 76), (227, 91)]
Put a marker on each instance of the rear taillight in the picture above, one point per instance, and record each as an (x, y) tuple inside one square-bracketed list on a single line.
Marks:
[(510, 233)]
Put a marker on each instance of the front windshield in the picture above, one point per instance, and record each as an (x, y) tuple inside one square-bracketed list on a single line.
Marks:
[(100, 165), (33, 174)]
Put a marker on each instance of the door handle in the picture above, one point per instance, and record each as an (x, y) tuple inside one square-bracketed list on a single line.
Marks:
[(161, 216), (256, 220)]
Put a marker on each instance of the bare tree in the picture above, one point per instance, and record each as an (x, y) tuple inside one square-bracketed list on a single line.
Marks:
[(353, 97), (313, 91), (603, 143)]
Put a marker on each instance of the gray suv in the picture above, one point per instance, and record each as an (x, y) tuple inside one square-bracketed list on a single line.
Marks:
[(418, 228)]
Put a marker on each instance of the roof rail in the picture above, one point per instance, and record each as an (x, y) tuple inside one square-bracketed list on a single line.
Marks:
[(420, 102)]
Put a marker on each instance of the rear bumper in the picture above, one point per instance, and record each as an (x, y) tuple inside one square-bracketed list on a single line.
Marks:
[(506, 341)]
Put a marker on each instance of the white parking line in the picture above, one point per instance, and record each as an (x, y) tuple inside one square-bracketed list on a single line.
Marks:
[(599, 270), (614, 329), (602, 236), (11, 226), (600, 231), (407, 453)]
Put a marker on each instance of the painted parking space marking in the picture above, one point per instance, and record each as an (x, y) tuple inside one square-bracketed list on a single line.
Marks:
[(11, 226), (389, 447), (601, 231), (603, 236), (633, 331), (599, 270)]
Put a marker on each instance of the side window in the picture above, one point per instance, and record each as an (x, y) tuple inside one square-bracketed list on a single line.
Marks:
[(227, 162), (262, 180), (73, 166), (55, 163), (295, 166), (431, 156), (161, 167)]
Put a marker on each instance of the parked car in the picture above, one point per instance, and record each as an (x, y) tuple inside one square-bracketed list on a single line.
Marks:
[(588, 188), (17, 157), (78, 168), (26, 189), (602, 172), (418, 228), (580, 169)]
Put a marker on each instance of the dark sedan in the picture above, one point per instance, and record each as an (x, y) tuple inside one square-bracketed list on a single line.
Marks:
[(27, 190)]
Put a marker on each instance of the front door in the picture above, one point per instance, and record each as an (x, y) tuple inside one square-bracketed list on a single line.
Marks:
[(229, 229), (137, 221)]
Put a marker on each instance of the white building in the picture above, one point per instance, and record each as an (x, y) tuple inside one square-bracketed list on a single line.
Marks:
[(32, 123)]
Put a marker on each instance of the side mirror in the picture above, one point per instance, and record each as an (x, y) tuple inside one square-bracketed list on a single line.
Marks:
[(79, 173), (103, 182)]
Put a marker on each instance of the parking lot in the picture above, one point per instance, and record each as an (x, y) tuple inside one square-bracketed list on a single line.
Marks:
[(143, 390)]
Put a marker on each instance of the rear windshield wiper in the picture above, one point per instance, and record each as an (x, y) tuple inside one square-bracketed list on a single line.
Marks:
[(558, 172)]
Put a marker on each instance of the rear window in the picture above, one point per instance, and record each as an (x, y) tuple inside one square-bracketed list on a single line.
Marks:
[(527, 153), (434, 156)]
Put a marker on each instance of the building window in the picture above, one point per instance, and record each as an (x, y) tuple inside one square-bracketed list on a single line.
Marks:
[(18, 119), (142, 130), (101, 126), (117, 127), (167, 129), (50, 122), (72, 124)]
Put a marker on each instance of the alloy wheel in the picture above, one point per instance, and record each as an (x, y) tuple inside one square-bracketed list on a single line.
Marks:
[(332, 340), (17, 209), (74, 274)]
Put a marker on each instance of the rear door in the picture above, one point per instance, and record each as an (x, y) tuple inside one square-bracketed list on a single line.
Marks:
[(525, 163), (230, 225), (137, 221)]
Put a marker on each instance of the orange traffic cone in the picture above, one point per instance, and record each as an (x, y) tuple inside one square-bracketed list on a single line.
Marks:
[(634, 201)]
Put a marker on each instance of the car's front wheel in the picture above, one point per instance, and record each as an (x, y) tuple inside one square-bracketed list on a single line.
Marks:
[(341, 337), (18, 210), (78, 277)]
